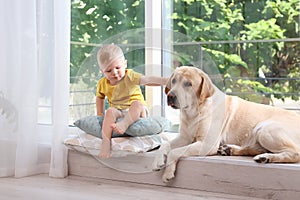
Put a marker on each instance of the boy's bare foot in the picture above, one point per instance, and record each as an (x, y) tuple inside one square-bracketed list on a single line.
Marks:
[(105, 150), (117, 129)]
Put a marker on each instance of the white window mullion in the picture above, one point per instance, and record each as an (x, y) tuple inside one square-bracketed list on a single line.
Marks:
[(153, 52)]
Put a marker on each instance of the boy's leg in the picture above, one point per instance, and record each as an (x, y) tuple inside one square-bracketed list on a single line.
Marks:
[(136, 110), (110, 118)]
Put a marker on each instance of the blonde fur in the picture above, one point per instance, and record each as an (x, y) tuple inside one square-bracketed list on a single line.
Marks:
[(212, 122)]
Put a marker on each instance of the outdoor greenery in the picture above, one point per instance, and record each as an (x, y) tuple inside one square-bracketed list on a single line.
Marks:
[(94, 21), (266, 68)]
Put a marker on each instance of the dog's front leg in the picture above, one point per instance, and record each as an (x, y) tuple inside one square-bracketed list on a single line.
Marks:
[(161, 156), (162, 153), (194, 149)]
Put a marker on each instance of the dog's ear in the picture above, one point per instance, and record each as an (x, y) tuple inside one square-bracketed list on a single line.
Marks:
[(206, 88), (167, 90), (168, 85)]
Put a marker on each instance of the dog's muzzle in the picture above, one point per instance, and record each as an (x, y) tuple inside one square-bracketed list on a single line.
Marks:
[(172, 100)]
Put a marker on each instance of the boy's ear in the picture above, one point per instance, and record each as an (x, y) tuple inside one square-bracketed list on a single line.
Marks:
[(125, 63), (101, 70)]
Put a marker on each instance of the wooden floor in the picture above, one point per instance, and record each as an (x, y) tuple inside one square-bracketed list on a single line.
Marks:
[(78, 188)]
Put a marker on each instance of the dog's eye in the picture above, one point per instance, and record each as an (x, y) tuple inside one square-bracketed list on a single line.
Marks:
[(187, 84), (173, 81)]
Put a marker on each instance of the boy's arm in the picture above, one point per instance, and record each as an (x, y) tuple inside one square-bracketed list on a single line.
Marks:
[(99, 106), (153, 80)]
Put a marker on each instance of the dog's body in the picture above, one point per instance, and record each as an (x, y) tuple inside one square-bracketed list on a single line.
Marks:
[(214, 123)]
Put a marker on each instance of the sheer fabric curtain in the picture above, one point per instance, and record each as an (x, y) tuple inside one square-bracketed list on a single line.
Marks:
[(34, 87)]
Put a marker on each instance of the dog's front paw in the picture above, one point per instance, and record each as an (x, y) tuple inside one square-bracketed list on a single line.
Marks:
[(224, 150), (169, 173), (167, 177), (161, 157), (159, 162), (262, 158)]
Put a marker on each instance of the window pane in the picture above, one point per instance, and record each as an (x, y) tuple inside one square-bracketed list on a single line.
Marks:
[(249, 48), (96, 22)]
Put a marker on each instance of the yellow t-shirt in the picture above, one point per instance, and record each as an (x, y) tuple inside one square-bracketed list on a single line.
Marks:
[(124, 93)]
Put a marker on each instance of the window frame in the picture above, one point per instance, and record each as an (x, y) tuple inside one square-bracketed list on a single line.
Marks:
[(157, 60)]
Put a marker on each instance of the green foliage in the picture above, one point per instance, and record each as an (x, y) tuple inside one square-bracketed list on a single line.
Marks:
[(94, 21), (244, 20)]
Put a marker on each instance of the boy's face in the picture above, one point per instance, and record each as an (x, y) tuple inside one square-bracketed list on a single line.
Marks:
[(115, 71)]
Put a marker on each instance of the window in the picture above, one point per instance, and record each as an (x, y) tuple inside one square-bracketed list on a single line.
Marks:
[(95, 22), (249, 48)]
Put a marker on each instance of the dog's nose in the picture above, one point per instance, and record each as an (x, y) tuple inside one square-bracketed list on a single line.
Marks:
[(171, 98)]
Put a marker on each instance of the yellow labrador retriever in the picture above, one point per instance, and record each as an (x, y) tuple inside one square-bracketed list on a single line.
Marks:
[(212, 122)]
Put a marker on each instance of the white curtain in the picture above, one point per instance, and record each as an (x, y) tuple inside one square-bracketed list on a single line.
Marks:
[(34, 86)]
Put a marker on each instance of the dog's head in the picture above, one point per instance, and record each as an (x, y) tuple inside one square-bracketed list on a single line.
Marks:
[(188, 87)]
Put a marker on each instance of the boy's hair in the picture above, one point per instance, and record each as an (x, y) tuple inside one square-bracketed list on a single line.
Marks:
[(108, 54)]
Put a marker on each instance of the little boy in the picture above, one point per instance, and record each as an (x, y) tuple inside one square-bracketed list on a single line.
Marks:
[(121, 86)]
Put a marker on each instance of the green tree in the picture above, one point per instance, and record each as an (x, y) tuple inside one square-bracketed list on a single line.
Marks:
[(241, 64), (94, 21), (244, 20)]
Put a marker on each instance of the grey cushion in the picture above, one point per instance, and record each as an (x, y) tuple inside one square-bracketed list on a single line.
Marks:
[(143, 126)]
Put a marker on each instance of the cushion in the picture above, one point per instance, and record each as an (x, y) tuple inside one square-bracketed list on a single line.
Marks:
[(121, 146), (143, 126)]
